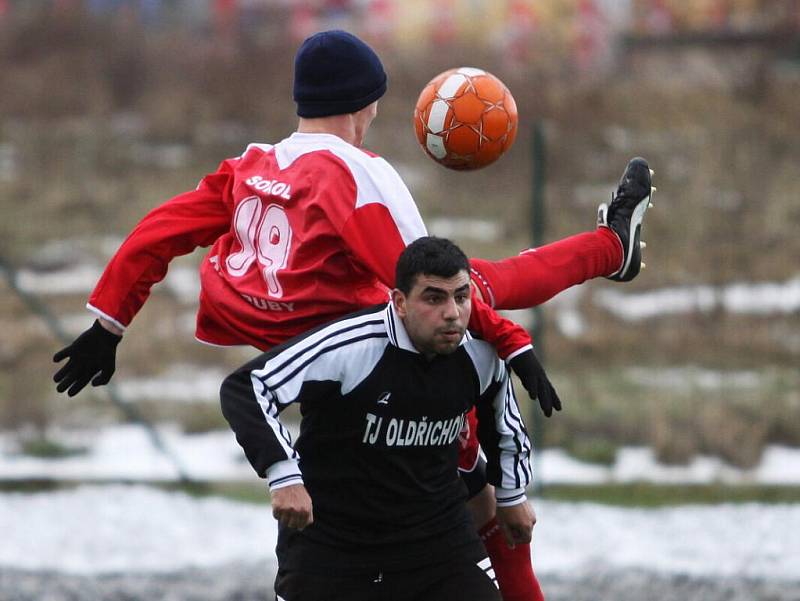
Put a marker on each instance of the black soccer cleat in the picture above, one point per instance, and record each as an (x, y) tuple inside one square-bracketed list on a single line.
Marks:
[(625, 214)]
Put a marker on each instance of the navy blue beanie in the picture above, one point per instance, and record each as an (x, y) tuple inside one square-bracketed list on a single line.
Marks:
[(336, 73)]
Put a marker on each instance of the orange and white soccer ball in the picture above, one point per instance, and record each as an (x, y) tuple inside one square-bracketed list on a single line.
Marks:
[(465, 118)]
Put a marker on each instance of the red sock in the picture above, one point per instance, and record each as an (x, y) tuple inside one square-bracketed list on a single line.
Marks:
[(536, 275), (512, 567)]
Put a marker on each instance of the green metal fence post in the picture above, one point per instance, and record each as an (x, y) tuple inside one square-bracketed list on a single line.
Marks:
[(538, 224)]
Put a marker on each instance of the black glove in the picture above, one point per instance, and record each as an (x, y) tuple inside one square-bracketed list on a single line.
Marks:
[(93, 351), (531, 373)]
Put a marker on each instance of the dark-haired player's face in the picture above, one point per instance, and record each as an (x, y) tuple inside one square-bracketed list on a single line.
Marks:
[(436, 312)]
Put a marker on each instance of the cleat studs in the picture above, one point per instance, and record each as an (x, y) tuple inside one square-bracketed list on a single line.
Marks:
[(653, 189), (642, 244), (650, 205), (652, 173), (644, 265)]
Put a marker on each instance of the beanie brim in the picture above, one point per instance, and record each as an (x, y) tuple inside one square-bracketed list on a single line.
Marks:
[(327, 108)]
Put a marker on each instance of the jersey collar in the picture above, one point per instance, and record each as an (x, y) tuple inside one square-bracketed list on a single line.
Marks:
[(310, 138)]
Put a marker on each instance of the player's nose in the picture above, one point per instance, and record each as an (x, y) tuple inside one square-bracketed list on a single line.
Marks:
[(451, 310)]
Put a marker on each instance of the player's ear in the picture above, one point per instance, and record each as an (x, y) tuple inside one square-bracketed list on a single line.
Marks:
[(399, 301)]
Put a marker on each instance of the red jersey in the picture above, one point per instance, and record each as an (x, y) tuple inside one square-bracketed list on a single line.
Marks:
[(303, 232)]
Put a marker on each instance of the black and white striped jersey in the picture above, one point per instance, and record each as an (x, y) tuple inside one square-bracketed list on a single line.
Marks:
[(377, 449)]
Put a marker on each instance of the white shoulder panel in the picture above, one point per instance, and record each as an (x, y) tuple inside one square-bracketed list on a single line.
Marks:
[(376, 180), (484, 356), (261, 147), (345, 351)]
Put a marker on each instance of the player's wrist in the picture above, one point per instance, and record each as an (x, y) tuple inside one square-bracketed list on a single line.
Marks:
[(107, 321), (109, 327), (283, 473), (508, 497), (517, 353)]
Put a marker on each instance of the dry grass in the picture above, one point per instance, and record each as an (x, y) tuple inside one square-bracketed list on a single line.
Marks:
[(605, 409)]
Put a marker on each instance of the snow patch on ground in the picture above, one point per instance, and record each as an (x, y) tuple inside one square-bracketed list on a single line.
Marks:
[(690, 378), (751, 540), (126, 452), (80, 278), (104, 529), (766, 298), (779, 466), (483, 230), (179, 384), (129, 529)]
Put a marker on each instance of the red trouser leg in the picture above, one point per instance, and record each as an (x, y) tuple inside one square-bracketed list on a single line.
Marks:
[(536, 275), (512, 567)]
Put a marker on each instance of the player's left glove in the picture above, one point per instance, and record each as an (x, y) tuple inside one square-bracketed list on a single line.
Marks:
[(91, 355), (531, 373)]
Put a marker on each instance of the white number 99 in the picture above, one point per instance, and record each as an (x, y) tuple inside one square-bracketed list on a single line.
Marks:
[(264, 235)]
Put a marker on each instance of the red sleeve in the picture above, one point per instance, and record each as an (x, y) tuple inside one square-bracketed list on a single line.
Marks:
[(508, 338), (175, 228), (538, 274)]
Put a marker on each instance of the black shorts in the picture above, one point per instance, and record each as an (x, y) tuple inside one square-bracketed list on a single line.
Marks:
[(466, 579)]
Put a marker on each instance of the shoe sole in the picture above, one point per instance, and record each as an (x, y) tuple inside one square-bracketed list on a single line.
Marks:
[(631, 268)]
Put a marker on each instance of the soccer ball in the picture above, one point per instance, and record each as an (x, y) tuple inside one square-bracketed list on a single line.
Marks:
[(465, 118)]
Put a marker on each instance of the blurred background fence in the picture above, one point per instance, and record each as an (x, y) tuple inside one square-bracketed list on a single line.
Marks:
[(108, 108)]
